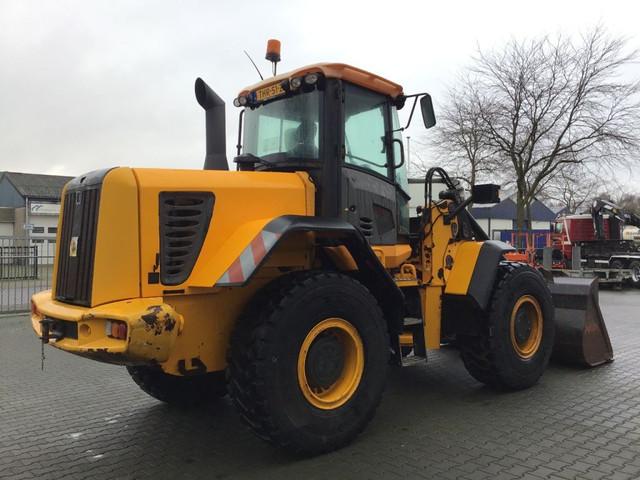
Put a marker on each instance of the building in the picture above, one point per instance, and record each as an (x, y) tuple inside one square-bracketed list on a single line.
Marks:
[(29, 207), (499, 219)]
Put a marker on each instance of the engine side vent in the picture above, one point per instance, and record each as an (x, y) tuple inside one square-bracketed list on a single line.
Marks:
[(366, 226), (184, 222)]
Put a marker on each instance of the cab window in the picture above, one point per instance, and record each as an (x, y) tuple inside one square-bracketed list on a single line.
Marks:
[(284, 128), (364, 129)]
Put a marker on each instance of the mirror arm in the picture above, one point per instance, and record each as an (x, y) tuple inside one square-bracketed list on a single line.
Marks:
[(416, 97), (413, 108)]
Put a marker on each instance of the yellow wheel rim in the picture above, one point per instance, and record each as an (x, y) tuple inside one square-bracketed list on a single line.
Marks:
[(526, 326), (330, 363)]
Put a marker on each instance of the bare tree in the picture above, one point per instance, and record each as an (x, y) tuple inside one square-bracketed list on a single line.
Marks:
[(629, 202), (574, 186), (550, 102), (461, 141)]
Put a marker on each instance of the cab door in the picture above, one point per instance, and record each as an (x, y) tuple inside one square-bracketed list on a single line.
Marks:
[(370, 195)]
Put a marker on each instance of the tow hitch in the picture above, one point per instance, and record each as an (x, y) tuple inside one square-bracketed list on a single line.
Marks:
[(50, 331)]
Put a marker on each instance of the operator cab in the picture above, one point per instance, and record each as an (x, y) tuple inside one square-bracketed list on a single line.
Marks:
[(340, 124)]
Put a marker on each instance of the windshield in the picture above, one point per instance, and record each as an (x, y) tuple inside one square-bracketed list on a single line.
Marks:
[(286, 128)]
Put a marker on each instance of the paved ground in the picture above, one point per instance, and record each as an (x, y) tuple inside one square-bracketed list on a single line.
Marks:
[(81, 419)]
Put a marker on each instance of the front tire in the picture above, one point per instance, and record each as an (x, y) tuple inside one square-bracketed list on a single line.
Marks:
[(308, 361), (187, 391), (514, 350)]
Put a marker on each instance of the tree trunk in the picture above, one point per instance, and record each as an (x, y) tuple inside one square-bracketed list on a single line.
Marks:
[(520, 209), (472, 181)]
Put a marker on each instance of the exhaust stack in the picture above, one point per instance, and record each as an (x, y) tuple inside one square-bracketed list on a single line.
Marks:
[(216, 155)]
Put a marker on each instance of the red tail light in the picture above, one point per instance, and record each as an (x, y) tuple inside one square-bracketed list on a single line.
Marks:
[(116, 329)]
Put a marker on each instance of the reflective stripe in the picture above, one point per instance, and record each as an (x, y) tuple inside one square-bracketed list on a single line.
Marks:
[(246, 261), (243, 266), (235, 272), (258, 249), (224, 278)]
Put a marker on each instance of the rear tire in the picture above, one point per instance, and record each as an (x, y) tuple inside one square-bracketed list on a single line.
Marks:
[(188, 391), (635, 273), (616, 265), (514, 351), (308, 361)]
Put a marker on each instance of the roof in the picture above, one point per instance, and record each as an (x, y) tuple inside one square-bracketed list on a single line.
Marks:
[(506, 210), (36, 185), (336, 70), (559, 209)]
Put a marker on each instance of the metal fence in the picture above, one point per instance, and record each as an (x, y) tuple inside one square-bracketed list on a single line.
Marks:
[(26, 266)]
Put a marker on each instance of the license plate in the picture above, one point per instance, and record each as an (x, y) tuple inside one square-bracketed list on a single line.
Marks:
[(269, 92)]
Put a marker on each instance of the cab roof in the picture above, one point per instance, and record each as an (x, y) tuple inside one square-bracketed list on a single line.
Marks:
[(341, 71)]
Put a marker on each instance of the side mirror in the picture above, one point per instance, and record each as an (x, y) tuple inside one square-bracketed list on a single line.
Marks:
[(486, 193), (428, 115)]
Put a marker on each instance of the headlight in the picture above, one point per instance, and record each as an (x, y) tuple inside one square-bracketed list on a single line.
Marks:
[(295, 83), (240, 101), (311, 79)]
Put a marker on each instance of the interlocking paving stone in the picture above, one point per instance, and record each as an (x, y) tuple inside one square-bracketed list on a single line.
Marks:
[(85, 420)]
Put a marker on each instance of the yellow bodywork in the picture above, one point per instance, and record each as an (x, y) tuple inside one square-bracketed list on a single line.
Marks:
[(446, 266), (188, 325), (126, 247), (153, 328)]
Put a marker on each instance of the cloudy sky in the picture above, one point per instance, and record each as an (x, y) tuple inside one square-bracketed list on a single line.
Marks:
[(90, 84)]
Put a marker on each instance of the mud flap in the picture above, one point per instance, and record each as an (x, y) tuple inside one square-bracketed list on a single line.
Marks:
[(581, 334)]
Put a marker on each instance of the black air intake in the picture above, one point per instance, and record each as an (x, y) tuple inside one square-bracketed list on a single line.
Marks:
[(77, 245), (184, 222)]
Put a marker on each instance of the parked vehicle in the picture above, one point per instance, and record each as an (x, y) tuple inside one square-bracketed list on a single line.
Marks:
[(599, 235)]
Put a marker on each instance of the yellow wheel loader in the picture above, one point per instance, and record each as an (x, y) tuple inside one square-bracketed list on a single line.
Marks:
[(293, 282)]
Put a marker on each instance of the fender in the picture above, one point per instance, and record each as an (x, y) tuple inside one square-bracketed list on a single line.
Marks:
[(374, 275), (484, 273), (469, 292)]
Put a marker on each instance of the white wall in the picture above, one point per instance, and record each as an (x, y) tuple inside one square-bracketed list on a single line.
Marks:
[(416, 190), (46, 240), (497, 224), (44, 221), (540, 225)]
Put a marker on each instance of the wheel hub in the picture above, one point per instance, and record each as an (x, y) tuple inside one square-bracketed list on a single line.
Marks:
[(325, 361), (330, 363), (526, 326), (523, 326)]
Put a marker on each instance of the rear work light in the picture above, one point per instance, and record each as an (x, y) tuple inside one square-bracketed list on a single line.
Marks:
[(115, 329)]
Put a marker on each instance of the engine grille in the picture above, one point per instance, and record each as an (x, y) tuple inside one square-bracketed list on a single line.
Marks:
[(77, 246), (184, 222)]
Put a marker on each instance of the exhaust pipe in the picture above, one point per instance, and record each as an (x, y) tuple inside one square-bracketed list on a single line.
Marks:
[(216, 155)]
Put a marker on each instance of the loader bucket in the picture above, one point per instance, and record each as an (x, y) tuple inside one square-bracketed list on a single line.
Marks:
[(581, 335)]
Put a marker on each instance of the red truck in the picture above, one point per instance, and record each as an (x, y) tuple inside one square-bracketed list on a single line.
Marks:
[(599, 234)]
